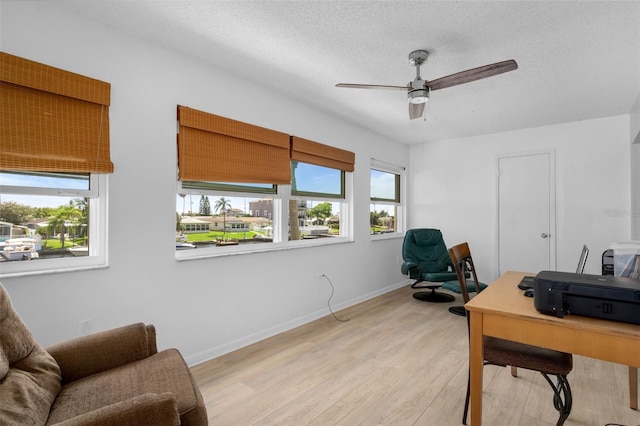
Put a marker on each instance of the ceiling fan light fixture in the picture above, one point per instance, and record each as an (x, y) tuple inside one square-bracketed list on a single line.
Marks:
[(420, 96)]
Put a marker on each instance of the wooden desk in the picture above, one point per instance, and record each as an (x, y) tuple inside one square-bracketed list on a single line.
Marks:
[(502, 311)]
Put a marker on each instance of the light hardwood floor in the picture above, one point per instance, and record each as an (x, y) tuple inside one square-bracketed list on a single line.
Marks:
[(397, 361)]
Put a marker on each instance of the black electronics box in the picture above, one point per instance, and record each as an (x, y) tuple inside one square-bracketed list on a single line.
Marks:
[(600, 296)]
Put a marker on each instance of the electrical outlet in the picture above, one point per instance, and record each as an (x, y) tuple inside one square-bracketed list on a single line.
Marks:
[(85, 326)]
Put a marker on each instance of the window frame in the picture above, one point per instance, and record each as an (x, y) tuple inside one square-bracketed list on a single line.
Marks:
[(399, 203), (91, 192), (231, 187), (98, 243)]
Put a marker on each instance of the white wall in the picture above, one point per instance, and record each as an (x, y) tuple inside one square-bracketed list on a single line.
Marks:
[(204, 307), (453, 187)]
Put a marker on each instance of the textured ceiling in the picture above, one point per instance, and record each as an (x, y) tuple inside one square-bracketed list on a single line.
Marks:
[(577, 60)]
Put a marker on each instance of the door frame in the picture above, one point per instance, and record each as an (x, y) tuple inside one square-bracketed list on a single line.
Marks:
[(552, 205)]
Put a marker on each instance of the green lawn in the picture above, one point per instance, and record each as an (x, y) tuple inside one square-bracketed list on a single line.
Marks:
[(54, 243), (219, 235), (377, 229)]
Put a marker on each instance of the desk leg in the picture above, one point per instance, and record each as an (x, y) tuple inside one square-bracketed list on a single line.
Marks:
[(633, 387), (476, 364)]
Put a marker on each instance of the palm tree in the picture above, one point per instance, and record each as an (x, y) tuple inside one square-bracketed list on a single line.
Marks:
[(179, 226), (65, 218), (57, 223), (184, 196), (82, 205), (222, 205)]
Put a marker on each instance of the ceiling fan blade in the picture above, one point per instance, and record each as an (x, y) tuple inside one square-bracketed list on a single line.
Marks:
[(473, 74), (415, 110), (370, 86)]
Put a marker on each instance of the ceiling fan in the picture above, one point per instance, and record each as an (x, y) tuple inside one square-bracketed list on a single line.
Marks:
[(418, 90)]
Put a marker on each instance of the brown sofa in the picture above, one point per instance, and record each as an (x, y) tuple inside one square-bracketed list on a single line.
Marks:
[(116, 377)]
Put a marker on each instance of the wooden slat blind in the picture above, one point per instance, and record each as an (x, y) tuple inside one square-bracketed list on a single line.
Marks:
[(321, 155), (212, 148), (52, 120)]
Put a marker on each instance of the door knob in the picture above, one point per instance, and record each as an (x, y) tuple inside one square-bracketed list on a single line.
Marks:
[(545, 235)]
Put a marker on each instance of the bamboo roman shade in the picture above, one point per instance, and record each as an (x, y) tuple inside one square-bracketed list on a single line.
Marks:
[(217, 149), (321, 155), (52, 120)]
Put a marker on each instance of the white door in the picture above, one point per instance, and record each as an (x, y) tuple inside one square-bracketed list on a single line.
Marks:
[(526, 212)]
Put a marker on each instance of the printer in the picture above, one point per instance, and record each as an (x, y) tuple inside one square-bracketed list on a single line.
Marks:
[(600, 296)]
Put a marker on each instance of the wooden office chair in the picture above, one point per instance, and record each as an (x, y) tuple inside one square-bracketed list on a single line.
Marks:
[(517, 355), (463, 254)]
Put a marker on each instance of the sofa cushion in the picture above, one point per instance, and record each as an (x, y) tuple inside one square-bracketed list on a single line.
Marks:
[(29, 376), (163, 372)]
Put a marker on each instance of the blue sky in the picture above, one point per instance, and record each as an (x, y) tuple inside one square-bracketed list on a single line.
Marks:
[(44, 181), (308, 178)]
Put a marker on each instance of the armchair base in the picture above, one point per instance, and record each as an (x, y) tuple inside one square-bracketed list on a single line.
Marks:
[(433, 296), (458, 310)]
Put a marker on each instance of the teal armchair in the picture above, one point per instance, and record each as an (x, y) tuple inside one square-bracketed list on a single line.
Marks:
[(426, 259)]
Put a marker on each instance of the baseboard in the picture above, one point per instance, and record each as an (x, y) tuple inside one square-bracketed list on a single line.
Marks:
[(209, 354)]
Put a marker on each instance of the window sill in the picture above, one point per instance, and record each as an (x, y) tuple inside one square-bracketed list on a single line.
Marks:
[(206, 253), (18, 269), (390, 236)]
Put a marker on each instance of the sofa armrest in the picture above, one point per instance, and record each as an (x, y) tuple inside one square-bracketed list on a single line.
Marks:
[(87, 355), (146, 409)]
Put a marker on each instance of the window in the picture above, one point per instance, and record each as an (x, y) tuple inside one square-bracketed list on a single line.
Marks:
[(265, 190), (309, 179), (54, 140), (317, 195), (55, 220), (387, 205), (217, 217)]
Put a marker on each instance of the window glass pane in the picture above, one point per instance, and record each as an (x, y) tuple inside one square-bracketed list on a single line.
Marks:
[(45, 180), (43, 227), (313, 219), (385, 186), (311, 179), (217, 220), (383, 218)]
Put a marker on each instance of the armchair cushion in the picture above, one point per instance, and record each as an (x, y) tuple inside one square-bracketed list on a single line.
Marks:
[(455, 286), (87, 355), (157, 374), (29, 376), (426, 256), (143, 410), (438, 277)]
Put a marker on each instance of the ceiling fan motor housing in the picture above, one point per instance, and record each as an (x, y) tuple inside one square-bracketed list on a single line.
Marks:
[(418, 92)]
